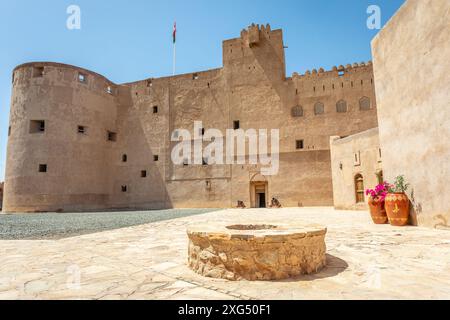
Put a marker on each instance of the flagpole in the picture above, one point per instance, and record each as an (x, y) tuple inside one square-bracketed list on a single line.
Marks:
[(174, 56)]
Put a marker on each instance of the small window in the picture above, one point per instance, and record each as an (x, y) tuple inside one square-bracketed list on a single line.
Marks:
[(341, 106), (38, 72), (109, 90), (149, 83), (124, 188), (9, 131), (236, 125), (37, 126), (43, 168), (205, 161), (82, 129), (195, 76), (202, 132), (299, 144), (357, 159), (155, 158), (208, 185), (82, 78), (297, 111), (112, 136), (319, 108), (144, 174), (364, 104), (124, 158), (155, 109)]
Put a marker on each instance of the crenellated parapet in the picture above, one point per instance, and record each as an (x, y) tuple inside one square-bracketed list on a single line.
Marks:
[(337, 71)]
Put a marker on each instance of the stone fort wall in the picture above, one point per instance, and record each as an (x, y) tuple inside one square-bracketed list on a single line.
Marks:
[(87, 171)]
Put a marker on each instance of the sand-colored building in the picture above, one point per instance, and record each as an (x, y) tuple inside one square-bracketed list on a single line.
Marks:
[(81, 142), (411, 61)]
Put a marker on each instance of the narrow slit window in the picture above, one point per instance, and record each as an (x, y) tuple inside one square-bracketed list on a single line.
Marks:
[(124, 158), (155, 109), (124, 189)]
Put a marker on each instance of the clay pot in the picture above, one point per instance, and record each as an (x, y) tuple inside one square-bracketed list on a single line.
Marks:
[(377, 211), (397, 209)]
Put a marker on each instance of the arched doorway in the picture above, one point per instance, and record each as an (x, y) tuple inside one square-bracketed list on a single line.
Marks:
[(359, 188), (259, 190)]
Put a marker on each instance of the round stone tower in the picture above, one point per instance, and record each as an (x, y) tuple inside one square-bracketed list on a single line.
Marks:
[(61, 136)]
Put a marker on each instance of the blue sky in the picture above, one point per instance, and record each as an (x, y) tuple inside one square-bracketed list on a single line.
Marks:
[(131, 40)]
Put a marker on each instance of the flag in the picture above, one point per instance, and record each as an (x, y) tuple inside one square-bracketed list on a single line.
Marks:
[(175, 33)]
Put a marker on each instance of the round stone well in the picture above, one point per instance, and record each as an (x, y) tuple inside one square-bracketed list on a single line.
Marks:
[(252, 251)]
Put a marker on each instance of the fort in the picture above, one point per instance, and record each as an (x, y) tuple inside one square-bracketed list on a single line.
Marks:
[(81, 142)]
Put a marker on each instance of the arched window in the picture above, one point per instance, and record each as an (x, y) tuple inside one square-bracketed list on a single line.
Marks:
[(297, 111), (364, 104), (359, 188), (319, 108), (341, 106)]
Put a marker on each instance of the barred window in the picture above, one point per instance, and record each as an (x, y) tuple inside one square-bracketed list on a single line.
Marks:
[(364, 104), (319, 108), (341, 106), (297, 111)]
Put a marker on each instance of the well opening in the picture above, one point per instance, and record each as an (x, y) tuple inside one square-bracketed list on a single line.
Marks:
[(251, 227)]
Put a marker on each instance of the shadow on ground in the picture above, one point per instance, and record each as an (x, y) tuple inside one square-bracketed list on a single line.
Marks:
[(334, 267)]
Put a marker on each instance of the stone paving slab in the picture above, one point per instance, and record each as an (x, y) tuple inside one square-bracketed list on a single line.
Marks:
[(365, 261)]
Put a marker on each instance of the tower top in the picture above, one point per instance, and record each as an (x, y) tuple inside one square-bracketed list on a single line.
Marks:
[(251, 35)]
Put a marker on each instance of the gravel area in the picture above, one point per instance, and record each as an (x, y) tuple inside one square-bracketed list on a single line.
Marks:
[(45, 226)]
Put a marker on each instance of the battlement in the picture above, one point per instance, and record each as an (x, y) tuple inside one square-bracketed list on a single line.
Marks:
[(338, 71), (251, 35)]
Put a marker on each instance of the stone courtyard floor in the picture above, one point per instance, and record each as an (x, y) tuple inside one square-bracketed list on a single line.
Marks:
[(365, 261)]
